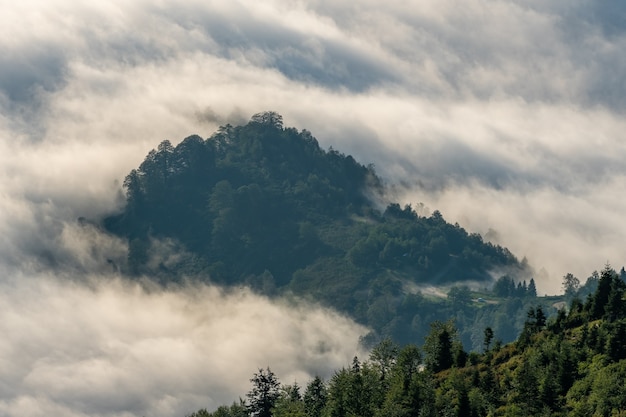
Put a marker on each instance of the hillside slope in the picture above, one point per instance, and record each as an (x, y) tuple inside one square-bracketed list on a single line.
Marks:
[(264, 205), (571, 365)]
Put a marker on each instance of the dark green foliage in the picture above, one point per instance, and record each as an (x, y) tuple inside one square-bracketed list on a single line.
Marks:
[(615, 306), (616, 343), (590, 286), (384, 356), (354, 392), (438, 346), (532, 288), (488, 338), (504, 287), (202, 413), (264, 393), (315, 397), (460, 297), (527, 389), (290, 403), (234, 410), (571, 285), (603, 292), (464, 407), (575, 368), (265, 206)]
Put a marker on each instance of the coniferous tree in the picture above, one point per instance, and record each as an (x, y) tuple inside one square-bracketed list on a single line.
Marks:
[(488, 338), (264, 393), (540, 318), (532, 288), (527, 389), (603, 292), (438, 346), (406, 392), (464, 408), (489, 385), (315, 397), (615, 306), (616, 349), (290, 403)]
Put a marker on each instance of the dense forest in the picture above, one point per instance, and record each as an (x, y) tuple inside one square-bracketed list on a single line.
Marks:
[(264, 206), (457, 328), (573, 364)]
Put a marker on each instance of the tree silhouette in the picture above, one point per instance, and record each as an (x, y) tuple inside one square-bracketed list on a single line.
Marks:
[(264, 393)]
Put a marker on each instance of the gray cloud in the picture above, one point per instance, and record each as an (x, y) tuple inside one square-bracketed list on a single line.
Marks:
[(500, 94), (504, 115), (113, 348), (26, 72)]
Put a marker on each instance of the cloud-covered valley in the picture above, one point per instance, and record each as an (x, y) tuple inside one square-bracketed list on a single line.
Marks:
[(507, 116)]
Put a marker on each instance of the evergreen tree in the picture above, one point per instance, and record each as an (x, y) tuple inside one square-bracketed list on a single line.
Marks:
[(489, 386), (464, 408), (290, 403), (616, 307), (527, 389), (438, 346), (532, 288), (540, 318), (549, 388), (616, 348), (235, 410), (504, 286), (406, 392), (488, 338), (603, 292), (264, 393), (315, 397)]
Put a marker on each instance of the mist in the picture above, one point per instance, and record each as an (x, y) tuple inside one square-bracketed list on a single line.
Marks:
[(506, 116), (108, 347)]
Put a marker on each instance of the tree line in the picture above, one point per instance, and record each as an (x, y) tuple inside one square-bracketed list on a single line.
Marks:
[(573, 364)]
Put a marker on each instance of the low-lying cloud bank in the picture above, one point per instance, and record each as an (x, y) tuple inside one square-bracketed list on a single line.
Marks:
[(507, 116), (108, 347)]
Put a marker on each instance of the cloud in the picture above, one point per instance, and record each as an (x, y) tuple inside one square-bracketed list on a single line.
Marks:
[(509, 95), (109, 347), (504, 93), (504, 115)]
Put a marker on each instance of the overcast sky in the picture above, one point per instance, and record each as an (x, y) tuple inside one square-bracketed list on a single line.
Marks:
[(507, 116)]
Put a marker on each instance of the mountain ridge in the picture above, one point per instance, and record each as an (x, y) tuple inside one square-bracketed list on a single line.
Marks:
[(265, 206)]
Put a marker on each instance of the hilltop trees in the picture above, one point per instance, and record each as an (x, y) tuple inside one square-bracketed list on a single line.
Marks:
[(268, 118), (264, 205)]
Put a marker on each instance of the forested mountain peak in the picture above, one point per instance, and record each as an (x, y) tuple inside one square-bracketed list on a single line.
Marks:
[(264, 205)]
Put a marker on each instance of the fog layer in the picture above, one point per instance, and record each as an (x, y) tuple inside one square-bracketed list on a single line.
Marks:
[(506, 115), (113, 348)]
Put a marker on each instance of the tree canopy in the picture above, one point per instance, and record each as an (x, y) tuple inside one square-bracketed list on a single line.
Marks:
[(265, 206), (573, 364)]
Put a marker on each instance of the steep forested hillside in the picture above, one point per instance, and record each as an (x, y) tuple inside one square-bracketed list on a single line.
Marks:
[(264, 205), (571, 365)]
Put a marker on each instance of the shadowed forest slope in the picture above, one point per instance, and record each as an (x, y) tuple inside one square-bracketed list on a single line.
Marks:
[(263, 205)]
